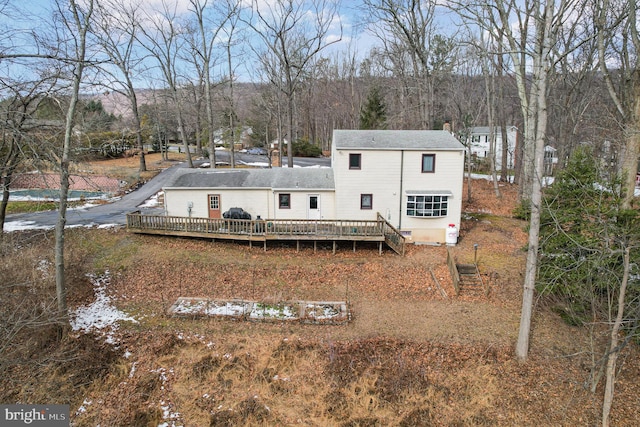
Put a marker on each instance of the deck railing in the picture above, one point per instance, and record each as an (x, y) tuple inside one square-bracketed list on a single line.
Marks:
[(377, 230), (453, 270), (392, 237)]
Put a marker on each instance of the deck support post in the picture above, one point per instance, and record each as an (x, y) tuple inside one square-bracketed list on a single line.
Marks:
[(379, 248), (265, 244), (315, 246), (354, 246), (297, 245), (334, 247)]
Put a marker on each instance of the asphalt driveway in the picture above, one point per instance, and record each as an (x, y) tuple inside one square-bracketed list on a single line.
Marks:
[(115, 212)]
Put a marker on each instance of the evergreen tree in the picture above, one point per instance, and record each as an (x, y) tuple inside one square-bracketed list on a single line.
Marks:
[(584, 232), (373, 114)]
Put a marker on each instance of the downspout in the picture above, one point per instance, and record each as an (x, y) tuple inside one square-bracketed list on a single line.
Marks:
[(400, 194), (274, 201)]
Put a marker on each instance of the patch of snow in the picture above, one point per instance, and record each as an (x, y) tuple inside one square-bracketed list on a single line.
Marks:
[(317, 167), (322, 312), (261, 311), (104, 226), (12, 226), (170, 418), (43, 267), (24, 225), (83, 207), (101, 314), (133, 369), (83, 408), (210, 308), (152, 201), (256, 164)]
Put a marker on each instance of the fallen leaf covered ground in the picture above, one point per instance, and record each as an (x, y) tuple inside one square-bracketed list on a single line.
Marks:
[(414, 354)]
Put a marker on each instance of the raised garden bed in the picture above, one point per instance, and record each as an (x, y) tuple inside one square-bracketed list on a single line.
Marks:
[(313, 312)]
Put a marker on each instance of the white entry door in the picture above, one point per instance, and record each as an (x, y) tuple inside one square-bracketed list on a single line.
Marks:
[(313, 206)]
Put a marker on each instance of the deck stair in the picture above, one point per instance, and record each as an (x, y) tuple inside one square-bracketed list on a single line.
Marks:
[(470, 279), (466, 277)]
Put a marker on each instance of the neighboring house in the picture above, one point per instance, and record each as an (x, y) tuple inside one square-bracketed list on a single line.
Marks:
[(550, 160), (242, 138), (479, 140), (412, 178)]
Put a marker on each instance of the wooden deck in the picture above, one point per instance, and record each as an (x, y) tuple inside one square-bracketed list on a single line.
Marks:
[(265, 230)]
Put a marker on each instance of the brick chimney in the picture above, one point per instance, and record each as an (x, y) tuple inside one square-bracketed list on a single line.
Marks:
[(275, 158), (447, 126)]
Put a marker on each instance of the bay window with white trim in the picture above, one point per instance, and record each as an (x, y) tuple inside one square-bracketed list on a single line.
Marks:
[(427, 205)]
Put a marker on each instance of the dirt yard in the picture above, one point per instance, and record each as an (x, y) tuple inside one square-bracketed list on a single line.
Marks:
[(412, 342), (414, 354)]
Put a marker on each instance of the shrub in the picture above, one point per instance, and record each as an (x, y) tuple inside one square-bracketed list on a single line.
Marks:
[(303, 148)]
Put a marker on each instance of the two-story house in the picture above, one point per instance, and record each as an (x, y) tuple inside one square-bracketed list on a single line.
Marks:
[(412, 178), (480, 141)]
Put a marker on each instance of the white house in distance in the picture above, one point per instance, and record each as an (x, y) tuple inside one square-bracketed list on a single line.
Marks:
[(479, 140), (413, 178)]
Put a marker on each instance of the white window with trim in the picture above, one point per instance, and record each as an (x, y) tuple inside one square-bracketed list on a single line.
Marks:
[(426, 204)]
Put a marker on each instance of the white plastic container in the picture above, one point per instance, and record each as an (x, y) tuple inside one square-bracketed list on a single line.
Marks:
[(451, 236)]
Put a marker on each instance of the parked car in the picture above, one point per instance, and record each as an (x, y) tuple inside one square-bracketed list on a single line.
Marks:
[(257, 151), (236, 213)]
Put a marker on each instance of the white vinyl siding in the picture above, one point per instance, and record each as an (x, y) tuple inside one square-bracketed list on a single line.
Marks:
[(299, 201), (447, 180), (263, 202), (256, 202), (379, 176)]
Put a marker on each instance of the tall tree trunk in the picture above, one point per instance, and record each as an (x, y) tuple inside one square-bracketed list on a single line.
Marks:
[(10, 164), (183, 134), (504, 169), (81, 24), (290, 108), (539, 91), (613, 344), (632, 144), (138, 128), (231, 107), (489, 82), (502, 122), (209, 101), (469, 170), (6, 184)]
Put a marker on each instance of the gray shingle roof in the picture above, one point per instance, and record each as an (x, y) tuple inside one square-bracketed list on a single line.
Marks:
[(276, 178), (395, 140)]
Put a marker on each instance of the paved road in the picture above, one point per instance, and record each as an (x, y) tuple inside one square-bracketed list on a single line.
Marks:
[(115, 212)]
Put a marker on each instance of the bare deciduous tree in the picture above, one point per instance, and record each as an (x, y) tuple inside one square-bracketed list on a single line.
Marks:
[(207, 35), (161, 35), (115, 25), (22, 100), (618, 40), (408, 32), (76, 20), (293, 33), (530, 44)]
